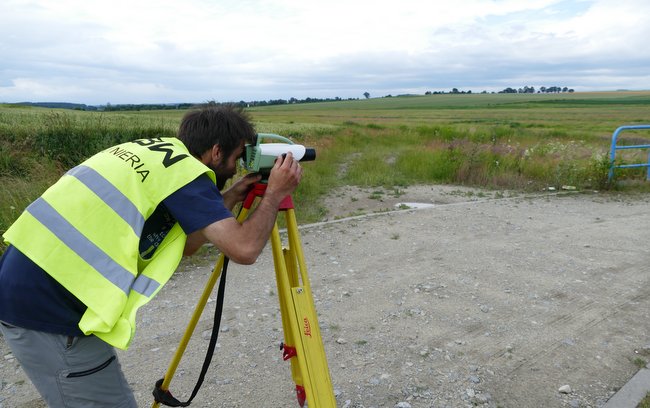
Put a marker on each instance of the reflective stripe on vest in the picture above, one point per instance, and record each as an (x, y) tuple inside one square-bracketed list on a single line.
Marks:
[(89, 252), (113, 197)]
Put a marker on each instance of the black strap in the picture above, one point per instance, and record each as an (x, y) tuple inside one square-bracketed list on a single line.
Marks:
[(164, 396)]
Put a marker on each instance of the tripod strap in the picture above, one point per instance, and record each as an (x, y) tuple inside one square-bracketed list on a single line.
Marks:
[(164, 396)]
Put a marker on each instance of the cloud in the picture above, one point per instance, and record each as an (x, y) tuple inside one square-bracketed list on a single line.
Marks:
[(197, 50)]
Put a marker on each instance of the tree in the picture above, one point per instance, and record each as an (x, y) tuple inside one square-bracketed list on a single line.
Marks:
[(366, 94)]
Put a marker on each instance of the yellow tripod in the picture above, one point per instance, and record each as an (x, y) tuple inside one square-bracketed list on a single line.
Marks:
[(303, 345)]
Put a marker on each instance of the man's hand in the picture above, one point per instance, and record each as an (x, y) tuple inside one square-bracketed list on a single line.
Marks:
[(284, 178), (239, 189)]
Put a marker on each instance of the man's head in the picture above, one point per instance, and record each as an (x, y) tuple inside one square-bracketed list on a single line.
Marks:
[(216, 135)]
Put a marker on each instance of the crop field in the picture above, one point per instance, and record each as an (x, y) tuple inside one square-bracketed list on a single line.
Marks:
[(497, 141)]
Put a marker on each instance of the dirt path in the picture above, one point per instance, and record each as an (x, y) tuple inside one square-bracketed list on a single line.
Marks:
[(484, 299)]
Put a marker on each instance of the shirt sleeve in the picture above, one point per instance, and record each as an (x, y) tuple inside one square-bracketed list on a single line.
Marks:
[(197, 205)]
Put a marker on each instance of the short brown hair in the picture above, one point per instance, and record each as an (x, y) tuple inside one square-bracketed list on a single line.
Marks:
[(209, 125)]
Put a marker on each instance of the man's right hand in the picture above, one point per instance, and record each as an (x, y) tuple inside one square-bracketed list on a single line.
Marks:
[(284, 178)]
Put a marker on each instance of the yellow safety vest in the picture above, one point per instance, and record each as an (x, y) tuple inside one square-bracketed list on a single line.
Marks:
[(85, 230)]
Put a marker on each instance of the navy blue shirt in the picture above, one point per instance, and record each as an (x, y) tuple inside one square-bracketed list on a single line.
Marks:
[(31, 298)]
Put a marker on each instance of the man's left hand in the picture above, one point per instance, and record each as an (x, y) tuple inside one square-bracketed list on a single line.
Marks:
[(239, 189)]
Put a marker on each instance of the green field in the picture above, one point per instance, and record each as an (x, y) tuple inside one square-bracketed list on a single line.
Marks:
[(525, 142)]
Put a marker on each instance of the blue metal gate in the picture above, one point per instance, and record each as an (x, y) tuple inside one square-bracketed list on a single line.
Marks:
[(612, 154)]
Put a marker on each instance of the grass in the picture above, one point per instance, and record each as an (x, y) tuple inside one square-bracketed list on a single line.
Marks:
[(506, 141), (640, 363)]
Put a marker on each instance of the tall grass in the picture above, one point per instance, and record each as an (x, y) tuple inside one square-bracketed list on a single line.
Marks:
[(38, 145), (16, 192), (70, 139), (401, 156)]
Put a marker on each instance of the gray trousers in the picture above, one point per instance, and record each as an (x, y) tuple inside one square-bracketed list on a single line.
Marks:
[(70, 371)]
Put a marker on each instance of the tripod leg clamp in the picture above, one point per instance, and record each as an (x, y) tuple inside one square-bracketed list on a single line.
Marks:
[(288, 351)]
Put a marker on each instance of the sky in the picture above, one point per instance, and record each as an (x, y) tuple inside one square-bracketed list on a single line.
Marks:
[(192, 51)]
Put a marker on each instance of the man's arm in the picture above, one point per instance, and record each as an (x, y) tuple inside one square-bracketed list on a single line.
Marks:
[(243, 243)]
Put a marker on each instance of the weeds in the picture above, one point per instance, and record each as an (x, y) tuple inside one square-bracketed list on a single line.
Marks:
[(645, 403)]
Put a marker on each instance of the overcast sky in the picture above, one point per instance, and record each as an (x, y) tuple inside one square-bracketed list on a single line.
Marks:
[(160, 51)]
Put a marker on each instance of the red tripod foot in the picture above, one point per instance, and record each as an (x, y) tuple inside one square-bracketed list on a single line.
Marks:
[(302, 396)]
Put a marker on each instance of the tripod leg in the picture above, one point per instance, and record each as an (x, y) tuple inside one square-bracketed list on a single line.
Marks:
[(196, 315), (303, 342), (284, 281)]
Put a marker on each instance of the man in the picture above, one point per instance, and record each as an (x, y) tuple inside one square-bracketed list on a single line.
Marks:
[(105, 238)]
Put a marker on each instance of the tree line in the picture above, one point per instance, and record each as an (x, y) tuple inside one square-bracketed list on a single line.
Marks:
[(542, 89), (109, 107), (247, 104), (525, 89), (242, 103)]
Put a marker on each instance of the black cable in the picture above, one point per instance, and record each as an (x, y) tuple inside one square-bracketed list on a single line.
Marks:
[(164, 396)]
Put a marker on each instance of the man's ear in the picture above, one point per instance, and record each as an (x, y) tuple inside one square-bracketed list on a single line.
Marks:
[(216, 152), (211, 155)]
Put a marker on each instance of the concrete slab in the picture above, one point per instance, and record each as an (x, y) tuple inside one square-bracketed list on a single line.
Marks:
[(633, 392)]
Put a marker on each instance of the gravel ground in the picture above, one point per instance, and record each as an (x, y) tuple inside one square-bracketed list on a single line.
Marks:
[(485, 299)]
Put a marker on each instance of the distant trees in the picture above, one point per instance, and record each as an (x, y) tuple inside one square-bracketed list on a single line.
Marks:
[(366, 94), (554, 89), (244, 104), (147, 106), (291, 101), (542, 89), (453, 91), (525, 90)]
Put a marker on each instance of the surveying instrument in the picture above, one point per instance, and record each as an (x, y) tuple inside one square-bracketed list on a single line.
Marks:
[(302, 345)]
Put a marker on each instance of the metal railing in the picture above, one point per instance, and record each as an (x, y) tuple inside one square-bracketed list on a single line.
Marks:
[(615, 148)]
